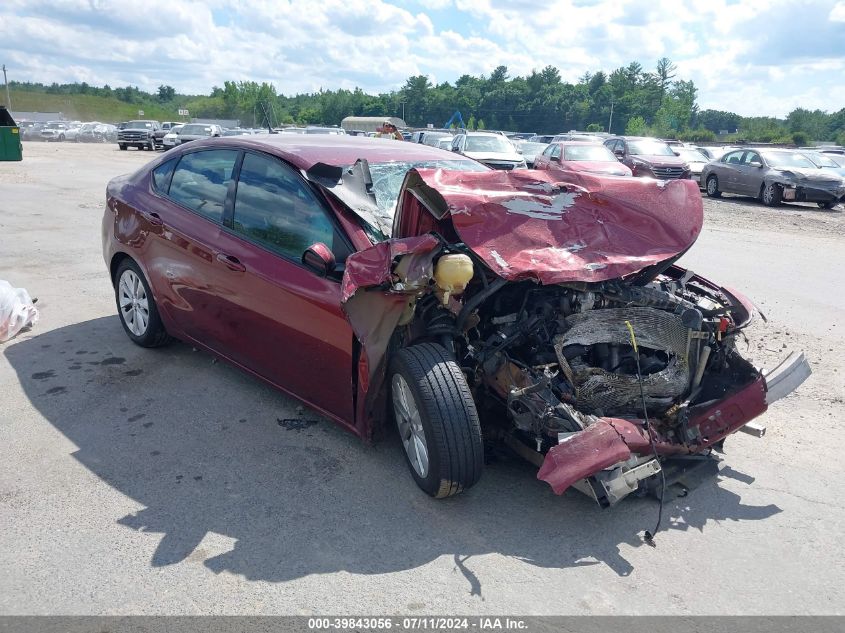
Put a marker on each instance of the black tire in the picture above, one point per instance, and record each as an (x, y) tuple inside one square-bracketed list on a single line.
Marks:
[(61, 137), (830, 204), (712, 187), (447, 415), (771, 195), (122, 147), (154, 335), (152, 145)]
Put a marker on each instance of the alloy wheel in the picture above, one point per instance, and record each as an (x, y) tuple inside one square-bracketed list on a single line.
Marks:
[(134, 306), (410, 425)]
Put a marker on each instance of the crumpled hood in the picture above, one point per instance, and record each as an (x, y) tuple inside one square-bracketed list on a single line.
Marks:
[(556, 227), (813, 175)]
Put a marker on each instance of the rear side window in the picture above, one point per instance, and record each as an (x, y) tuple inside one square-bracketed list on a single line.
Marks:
[(201, 180), (162, 175), (275, 208)]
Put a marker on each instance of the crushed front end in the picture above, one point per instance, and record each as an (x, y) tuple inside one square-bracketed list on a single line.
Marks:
[(586, 349)]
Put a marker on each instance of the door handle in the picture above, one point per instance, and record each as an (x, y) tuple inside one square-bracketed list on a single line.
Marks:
[(153, 218), (231, 262)]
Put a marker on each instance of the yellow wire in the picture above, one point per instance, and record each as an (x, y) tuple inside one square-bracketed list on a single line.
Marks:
[(633, 338)]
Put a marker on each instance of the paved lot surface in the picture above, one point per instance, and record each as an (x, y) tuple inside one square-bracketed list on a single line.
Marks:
[(160, 482)]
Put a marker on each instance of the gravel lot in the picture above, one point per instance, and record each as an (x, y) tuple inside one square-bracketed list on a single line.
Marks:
[(160, 482)]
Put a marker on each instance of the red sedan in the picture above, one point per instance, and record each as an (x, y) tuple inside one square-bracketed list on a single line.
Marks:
[(394, 281), (581, 157)]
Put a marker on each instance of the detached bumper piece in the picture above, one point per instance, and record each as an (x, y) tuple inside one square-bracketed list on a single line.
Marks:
[(612, 458)]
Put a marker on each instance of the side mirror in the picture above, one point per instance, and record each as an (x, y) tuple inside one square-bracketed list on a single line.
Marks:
[(676, 153), (554, 159), (319, 258), (620, 153)]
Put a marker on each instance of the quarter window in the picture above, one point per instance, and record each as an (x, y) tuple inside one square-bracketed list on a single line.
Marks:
[(276, 209), (162, 175), (201, 181)]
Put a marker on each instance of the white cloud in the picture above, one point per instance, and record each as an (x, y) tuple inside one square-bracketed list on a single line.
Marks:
[(764, 57)]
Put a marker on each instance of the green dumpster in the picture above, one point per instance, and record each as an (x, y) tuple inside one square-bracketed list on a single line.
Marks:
[(11, 147)]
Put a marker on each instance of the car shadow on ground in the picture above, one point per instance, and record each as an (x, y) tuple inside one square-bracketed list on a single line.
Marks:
[(206, 448)]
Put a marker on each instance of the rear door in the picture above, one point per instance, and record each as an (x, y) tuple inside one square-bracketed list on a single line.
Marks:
[(181, 261), (288, 327), (727, 171)]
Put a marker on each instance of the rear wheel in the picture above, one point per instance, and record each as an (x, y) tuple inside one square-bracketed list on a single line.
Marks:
[(137, 308), (828, 205), (713, 187), (437, 420), (772, 195)]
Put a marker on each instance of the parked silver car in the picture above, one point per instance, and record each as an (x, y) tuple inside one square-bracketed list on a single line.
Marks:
[(773, 175), (198, 131)]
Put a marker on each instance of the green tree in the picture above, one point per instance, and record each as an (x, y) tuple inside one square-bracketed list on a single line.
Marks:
[(166, 93), (636, 127), (480, 125)]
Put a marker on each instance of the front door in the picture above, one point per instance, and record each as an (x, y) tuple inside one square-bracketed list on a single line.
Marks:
[(290, 328)]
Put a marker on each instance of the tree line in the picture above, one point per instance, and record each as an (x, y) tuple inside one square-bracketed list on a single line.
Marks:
[(628, 100)]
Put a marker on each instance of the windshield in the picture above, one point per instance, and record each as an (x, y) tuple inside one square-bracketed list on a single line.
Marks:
[(489, 144), (198, 130), (649, 148), (138, 124), (782, 160), (836, 158), (388, 177), (822, 161), (532, 149), (598, 153), (692, 155)]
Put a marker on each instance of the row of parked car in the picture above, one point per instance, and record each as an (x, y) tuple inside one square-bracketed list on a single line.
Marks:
[(73, 131), (770, 174)]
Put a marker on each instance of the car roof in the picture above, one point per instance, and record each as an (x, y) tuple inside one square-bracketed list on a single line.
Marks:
[(305, 151)]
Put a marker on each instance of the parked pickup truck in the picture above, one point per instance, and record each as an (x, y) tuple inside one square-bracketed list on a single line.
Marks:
[(140, 134)]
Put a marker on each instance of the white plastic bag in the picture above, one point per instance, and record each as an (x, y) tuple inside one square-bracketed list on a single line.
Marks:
[(16, 310)]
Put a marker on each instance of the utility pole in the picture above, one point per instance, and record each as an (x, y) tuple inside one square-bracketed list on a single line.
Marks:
[(403, 110), (610, 121), (8, 96)]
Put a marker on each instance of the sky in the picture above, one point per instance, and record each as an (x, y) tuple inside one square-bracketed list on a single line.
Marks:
[(755, 58)]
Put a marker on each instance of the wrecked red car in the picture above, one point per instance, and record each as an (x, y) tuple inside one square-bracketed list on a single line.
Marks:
[(390, 283)]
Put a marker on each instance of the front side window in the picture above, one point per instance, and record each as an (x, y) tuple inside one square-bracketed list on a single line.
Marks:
[(201, 179), (733, 158), (276, 209)]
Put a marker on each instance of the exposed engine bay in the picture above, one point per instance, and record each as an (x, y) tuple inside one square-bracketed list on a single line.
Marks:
[(548, 362)]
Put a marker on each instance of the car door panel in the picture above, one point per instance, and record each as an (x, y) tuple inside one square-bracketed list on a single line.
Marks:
[(285, 323)]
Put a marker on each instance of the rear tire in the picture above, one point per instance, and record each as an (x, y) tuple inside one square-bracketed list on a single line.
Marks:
[(771, 195), (136, 307), (437, 420), (713, 187), (830, 204)]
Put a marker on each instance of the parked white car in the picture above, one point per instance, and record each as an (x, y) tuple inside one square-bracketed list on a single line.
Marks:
[(171, 139)]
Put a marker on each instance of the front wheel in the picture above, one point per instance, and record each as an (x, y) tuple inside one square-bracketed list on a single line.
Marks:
[(772, 195), (122, 147), (830, 204), (713, 187), (152, 145), (136, 307), (437, 420)]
